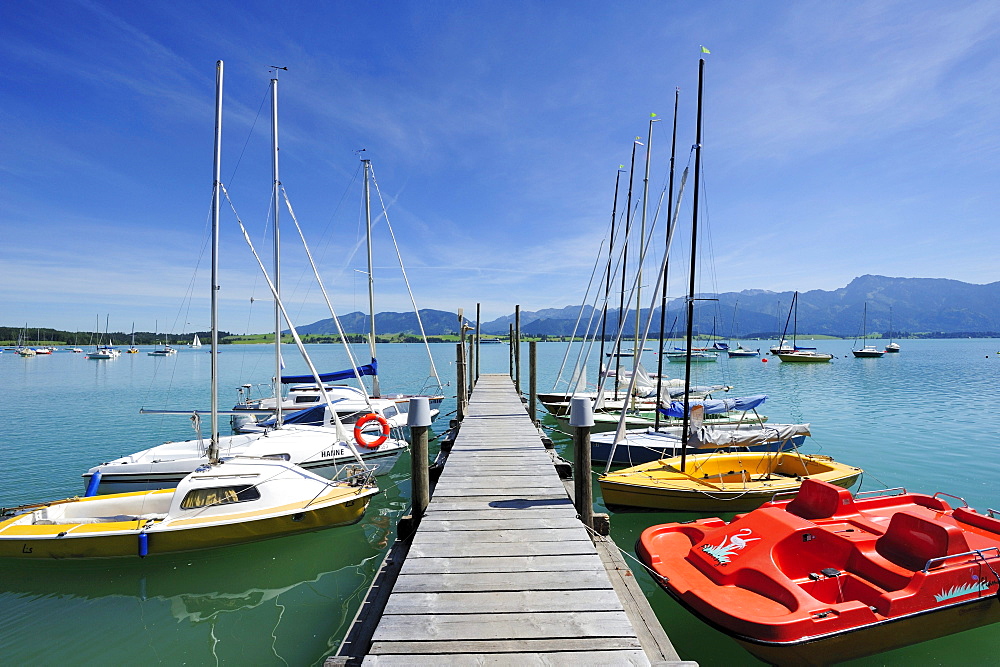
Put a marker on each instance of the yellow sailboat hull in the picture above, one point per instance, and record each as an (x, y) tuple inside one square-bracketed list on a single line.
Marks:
[(720, 482), (341, 506)]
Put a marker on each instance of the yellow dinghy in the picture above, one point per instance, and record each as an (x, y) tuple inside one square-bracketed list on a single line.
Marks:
[(230, 502), (721, 481)]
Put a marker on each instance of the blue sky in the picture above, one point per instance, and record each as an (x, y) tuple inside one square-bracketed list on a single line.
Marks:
[(840, 139)]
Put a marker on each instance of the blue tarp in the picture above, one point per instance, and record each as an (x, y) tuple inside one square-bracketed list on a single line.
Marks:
[(367, 369), (714, 406)]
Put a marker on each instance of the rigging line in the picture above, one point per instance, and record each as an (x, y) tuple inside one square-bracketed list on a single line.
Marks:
[(671, 228), (339, 427), (326, 297), (232, 176), (576, 325), (243, 356), (406, 280), (326, 235)]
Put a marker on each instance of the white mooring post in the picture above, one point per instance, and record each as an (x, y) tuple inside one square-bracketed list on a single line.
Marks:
[(418, 418)]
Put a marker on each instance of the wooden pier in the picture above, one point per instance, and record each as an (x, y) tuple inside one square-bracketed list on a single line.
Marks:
[(501, 570)]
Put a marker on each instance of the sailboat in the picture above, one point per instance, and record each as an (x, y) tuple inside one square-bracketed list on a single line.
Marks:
[(324, 451), (132, 348), (195, 342), (740, 351), (798, 354), (164, 351), (101, 351), (891, 347), (223, 501), (867, 351), (724, 481)]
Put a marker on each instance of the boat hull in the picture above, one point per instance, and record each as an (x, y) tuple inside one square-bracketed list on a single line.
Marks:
[(814, 358), (121, 538), (886, 636), (745, 484)]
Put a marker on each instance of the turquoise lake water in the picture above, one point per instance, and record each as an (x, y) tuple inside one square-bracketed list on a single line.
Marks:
[(922, 419)]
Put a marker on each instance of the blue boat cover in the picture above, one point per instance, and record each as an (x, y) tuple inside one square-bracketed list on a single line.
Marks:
[(721, 346), (714, 406), (314, 416), (367, 369)]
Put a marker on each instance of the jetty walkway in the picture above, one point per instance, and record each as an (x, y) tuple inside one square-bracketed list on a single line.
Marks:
[(501, 570)]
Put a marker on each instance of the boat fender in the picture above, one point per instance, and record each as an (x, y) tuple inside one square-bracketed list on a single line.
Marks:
[(359, 436), (95, 481), (143, 545)]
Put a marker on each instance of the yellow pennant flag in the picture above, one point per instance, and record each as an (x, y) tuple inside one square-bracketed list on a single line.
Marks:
[(652, 115), (704, 50)]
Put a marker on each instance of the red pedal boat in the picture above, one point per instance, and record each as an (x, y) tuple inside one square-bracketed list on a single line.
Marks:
[(827, 576)]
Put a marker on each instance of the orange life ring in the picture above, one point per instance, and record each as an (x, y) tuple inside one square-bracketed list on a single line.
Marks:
[(359, 436)]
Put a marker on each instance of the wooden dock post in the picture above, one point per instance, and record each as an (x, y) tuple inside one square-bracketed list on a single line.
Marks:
[(581, 418), (418, 418), (478, 337), (516, 345), (533, 380), (460, 380)]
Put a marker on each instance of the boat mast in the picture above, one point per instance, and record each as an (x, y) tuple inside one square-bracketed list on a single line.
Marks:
[(376, 392), (621, 300), (607, 275), (276, 187), (663, 293), (694, 256), (642, 237), (213, 447)]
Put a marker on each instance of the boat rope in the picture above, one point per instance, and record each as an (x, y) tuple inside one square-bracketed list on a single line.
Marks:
[(336, 320), (606, 540), (406, 281), (339, 427)]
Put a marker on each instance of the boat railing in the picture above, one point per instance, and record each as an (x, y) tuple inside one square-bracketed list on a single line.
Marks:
[(974, 552), (948, 495), (899, 491), (992, 512)]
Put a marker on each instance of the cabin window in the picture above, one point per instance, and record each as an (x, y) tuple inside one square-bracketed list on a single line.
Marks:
[(390, 411), (219, 495), (307, 399)]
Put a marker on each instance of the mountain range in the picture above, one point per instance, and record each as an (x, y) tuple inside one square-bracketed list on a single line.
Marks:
[(913, 305)]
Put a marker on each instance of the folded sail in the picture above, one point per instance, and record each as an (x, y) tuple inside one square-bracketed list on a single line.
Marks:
[(367, 369)]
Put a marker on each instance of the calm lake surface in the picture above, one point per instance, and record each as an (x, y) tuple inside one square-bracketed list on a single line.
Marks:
[(920, 419)]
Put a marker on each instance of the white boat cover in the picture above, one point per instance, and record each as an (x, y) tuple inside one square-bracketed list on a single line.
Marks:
[(714, 438)]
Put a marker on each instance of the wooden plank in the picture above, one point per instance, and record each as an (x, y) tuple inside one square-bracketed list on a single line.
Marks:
[(492, 626), (547, 659), (528, 549), (504, 531), (502, 581), (512, 505), (549, 493), (511, 649), (510, 564), (504, 602), (552, 517)]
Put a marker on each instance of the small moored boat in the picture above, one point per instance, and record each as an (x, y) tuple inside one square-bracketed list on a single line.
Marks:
[(720, 481), (827, 577), (229, 502)]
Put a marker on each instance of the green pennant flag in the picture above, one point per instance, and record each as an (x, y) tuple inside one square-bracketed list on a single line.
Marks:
[(704, 50), (652, 115)]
